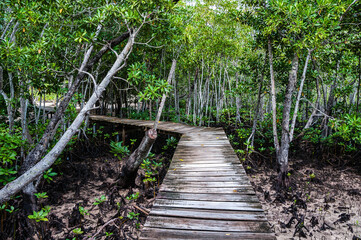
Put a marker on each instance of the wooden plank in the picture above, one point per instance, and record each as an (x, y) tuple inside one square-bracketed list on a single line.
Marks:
[(207, 225), (236, 206), (215, 173), (176, 234), (205, 190), (180, 182), (204, 165), (207, 214), (205, 169), (185, 178), (232, 197)]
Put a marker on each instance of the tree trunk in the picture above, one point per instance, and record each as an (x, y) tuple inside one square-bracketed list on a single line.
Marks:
[(273, 99), (130, 168), (294, 118), (7, 102), (282, 157), (257, 109)]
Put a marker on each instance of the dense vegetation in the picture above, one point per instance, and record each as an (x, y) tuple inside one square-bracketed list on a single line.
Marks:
[(282, 77)]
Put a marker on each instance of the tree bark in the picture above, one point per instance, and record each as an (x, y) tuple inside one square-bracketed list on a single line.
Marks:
[(257, 109), (282, 157), (294, 118), (273, 99), (7, 102)]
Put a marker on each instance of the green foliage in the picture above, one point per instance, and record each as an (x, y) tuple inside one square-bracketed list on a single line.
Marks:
[(10, 145), (133, 216), (41, 215), (41, 195), (78, 231), (83, 211), (171, 143), (149, 86), (133, 196), (100, 200), (49, 174), (151, 168), (118, 149)]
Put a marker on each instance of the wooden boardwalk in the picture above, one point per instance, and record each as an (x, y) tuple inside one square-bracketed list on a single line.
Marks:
[(206, 193)]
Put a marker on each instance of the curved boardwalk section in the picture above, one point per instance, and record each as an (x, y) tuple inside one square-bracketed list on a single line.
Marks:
[(206, 193)]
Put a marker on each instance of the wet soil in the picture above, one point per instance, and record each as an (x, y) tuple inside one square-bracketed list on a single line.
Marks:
[(321, 202), (87, 203)]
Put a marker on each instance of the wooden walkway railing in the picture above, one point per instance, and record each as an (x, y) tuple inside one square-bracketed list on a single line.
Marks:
[(206, 193)]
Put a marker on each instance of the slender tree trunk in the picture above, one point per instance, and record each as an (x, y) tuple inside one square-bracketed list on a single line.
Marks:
[(359, 81), (282, 157), (7, 102), (130, 168), (257, 108), (273, 99), (314, 111), (294, 118), (238, 102)]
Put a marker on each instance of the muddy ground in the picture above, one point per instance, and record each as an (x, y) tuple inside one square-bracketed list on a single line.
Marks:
[(322, 202), (86, 201)]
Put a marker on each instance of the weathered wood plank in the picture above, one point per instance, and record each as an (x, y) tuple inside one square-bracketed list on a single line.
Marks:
[(207, 214), (207, 225), (232, 197), (236, 206), (180, 182), (185, 178), (205, 190), (176, 234)]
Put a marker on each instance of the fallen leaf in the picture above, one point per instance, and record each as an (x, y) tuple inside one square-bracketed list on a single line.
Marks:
[(181, 160), (174, 169), (228, 234), (202, 145), (217, 137), (234, 190)]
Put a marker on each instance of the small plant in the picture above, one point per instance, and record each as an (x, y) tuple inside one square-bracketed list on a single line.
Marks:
[(77, 231), (133, 196), (289, 174), (41, 215), (11, 209), (171, 143), (108, 234), (133, 141), (83, 211), (133, 216), (312, 175), (41, 195), (49, 174), (118, 150), (99, 201)]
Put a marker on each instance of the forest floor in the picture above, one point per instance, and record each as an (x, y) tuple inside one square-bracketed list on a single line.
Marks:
[(321, 203), (86, 202)]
